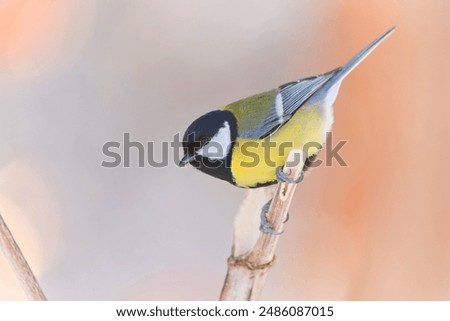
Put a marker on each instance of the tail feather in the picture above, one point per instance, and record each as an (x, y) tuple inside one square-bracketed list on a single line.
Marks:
[(355, 61)]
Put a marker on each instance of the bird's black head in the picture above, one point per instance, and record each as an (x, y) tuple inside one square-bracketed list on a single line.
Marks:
[(208, 142)]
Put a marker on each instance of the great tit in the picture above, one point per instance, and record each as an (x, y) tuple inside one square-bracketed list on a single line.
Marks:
[(245, 142)]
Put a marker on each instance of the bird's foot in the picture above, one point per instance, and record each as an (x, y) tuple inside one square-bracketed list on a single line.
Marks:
[(265, 226), (283, 178)]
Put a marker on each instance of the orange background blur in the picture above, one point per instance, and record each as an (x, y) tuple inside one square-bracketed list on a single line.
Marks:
[(76, 74)]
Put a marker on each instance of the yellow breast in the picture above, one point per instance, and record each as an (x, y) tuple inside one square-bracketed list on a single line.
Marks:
[(254, 162)]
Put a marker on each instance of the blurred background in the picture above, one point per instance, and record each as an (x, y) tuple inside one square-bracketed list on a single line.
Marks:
[(76, 74)]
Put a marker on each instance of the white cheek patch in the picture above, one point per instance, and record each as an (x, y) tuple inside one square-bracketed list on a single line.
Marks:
[(219, 146)]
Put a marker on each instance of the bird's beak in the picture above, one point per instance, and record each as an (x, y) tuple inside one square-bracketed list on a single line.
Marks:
[(185, 160)]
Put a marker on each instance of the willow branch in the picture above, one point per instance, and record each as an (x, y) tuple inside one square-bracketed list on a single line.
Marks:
[(247, 272), (19, 264)]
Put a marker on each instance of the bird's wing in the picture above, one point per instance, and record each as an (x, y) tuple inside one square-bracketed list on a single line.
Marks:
[(261, 115)]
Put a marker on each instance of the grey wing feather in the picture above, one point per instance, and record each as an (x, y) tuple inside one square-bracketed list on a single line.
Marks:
[(290, 97), (266, 127), (296, 93)]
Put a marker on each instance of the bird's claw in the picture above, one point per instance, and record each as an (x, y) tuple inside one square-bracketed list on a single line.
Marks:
[(265, 226), (282, 177)]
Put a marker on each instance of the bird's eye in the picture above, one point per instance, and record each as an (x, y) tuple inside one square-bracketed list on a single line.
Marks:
[(194, 145), (204, 141)]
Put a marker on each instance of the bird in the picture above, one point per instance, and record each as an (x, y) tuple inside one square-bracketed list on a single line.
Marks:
[(246, 143)]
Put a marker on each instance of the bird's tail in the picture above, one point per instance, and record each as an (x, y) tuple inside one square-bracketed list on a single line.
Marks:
[(342, 72)]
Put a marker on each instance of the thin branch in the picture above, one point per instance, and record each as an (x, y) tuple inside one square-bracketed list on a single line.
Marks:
[(19, 264), (247, 272)]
